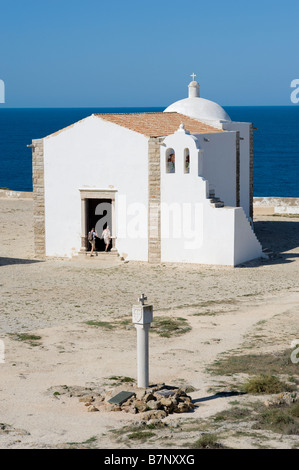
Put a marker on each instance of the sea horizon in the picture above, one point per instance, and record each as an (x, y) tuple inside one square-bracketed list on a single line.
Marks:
[(143, 107), (276, 142)]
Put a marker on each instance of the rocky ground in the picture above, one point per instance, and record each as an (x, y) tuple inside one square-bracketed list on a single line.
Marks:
[(66, 325)]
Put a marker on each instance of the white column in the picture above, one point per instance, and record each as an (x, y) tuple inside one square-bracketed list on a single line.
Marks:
[(142, 316), (83, 225), (142, 355), (113, 222)]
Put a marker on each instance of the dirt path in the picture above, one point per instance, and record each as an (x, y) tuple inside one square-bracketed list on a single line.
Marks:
[(250, 308)]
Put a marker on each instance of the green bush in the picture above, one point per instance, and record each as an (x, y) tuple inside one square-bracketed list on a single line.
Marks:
[(295, 410), (207, 441), (264, 384)]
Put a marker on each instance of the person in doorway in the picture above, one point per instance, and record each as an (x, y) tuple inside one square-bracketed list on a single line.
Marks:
[(107, 237), (92, 240)]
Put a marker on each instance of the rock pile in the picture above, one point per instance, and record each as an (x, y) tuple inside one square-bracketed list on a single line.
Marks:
[(155, 402)]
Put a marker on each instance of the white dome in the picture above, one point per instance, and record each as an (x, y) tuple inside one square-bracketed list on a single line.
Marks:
[(199, 108)]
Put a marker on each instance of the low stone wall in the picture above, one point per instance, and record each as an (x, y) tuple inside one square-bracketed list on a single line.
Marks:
[(9, 194), (275, 205)]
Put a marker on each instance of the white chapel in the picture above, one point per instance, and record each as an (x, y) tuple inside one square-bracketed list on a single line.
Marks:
[(172, 186)]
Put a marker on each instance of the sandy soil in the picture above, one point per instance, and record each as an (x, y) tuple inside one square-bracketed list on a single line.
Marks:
[(55, 298)]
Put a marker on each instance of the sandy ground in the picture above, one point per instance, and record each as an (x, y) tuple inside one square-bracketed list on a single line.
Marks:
[(55, 298)]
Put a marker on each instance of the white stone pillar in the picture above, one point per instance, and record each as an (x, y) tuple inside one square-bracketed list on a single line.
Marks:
[(142, 316), (113, 222), (142, 355), (83, 225)]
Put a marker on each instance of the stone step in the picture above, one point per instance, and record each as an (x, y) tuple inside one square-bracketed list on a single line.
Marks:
[(100, 255), (104, 254)]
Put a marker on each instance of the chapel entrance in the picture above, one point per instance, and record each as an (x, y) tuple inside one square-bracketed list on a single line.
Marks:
[(99, 216)]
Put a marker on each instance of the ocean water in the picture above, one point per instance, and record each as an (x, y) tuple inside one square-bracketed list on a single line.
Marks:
[(276, 143), (275, 148)]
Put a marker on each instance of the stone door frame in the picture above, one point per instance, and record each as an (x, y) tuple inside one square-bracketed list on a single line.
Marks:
[(94, 193)]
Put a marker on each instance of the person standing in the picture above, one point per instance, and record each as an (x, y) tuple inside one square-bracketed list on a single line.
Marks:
[(92, 240), (106, 235)]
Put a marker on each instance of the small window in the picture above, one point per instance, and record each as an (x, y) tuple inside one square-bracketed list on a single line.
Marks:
[(186, 161), (170, 161)]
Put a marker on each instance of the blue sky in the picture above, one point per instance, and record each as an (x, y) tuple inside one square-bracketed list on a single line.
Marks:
[(94, 53)]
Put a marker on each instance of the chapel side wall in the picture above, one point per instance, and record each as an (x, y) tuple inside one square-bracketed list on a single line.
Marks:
[(246, 163), (96, 154), (251, 171), (38, 197), (220, 167), (192, 230), (247, 246)]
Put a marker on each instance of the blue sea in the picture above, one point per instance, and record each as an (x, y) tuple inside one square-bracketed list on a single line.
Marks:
[(276, 143)]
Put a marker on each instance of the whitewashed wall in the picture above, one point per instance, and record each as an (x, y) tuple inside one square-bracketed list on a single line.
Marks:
[(198, 232), (219, 164), (98, 154)]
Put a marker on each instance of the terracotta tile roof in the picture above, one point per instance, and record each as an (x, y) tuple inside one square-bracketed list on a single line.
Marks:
[(158, 124)]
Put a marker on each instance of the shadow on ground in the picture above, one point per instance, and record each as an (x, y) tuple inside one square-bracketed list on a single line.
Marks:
[(8, 261), (218, 395), (280, 236)]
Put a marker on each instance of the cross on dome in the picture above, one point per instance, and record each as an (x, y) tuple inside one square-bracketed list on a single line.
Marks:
[(193, 76)]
